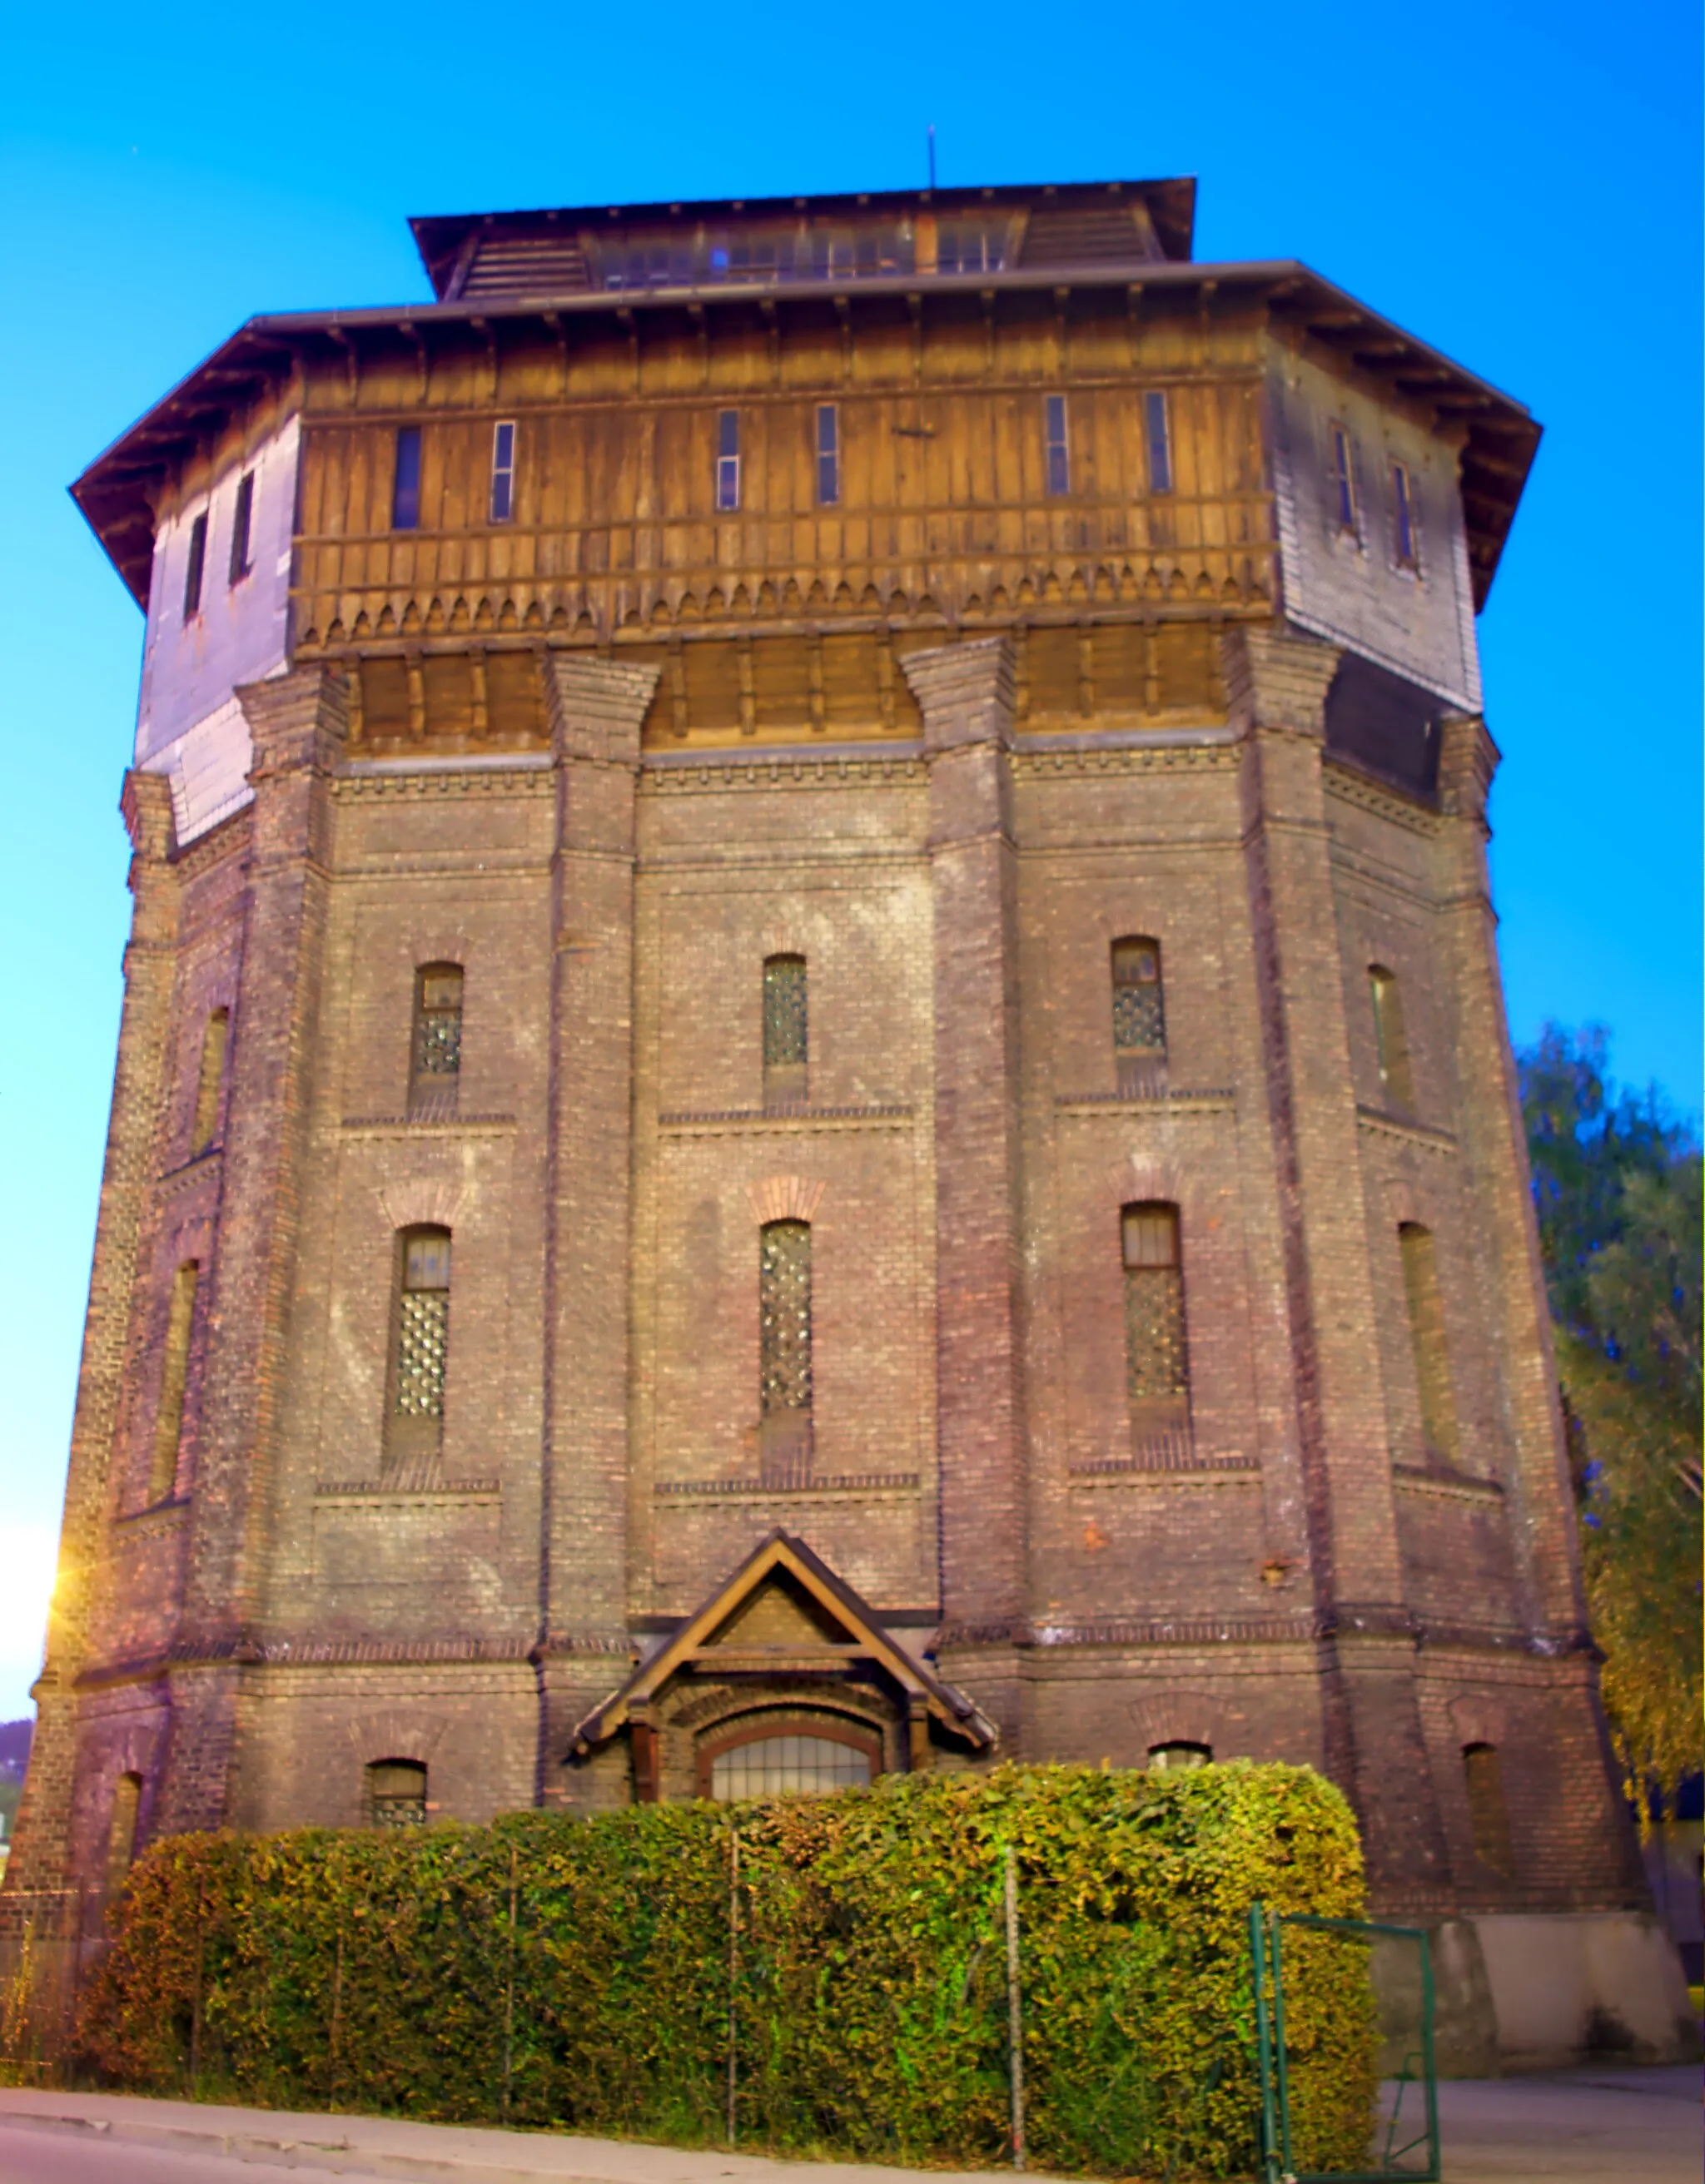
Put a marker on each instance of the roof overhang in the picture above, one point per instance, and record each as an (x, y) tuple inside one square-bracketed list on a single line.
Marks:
[(1499, 436), (693, 1646)]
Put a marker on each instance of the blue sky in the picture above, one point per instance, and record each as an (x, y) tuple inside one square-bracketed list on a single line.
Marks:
[(1519, 185)]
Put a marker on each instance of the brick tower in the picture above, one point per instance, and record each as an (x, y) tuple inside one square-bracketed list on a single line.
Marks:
[(813, 1076)]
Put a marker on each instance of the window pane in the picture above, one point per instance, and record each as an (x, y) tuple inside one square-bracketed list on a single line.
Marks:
[(1406, 528), (1160, 440), (727, 432), (405, 492), (785, 1027), (396, 1794), (1343, 479), (1059, 462), (197, 563), (427, 1263), (779, 1766), (784, 1317), (1172, 1758), (502, 472), (1139, 1010), (241, 521)]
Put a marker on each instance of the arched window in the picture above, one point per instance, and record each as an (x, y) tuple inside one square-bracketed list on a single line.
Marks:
[(784, 1341), (1424, 1302), (1177, 1759), (1139, 1016), (396, 1793), (1390, 1041), (790, 1762), (786, 1031), (210, 1083), (1156, 1352), (1488, 1817), (422, 1343), (436, 1055), (122, 1832), (174, 1382)]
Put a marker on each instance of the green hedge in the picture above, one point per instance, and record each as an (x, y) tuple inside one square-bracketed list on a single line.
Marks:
[(552, 1971)]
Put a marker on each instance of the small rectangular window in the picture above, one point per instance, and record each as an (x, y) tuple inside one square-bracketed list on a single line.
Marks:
[(828, 455), (405, 488), (241, 523), (728, 459), (196, 566), (1403, 511), (502, 472), (1059, 454), (1343, 480), (1157, 430)]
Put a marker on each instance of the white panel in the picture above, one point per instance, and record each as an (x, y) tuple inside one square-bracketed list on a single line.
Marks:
[(191, 667), (1348, 588), (209, 769)]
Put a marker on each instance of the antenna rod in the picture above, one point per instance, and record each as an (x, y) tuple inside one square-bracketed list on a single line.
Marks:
[(932, 158)]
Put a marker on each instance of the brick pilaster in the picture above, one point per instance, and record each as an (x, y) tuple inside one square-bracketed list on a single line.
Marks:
[(1277, 684), (297, 723), (965, 693), (596, 708), (40, 1859)]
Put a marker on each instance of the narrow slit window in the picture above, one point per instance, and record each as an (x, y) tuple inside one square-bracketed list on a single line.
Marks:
[(395, 1794), (122, 1832), (1059, 453), (1157, 1356), (727, 459), (1157, 431), (436, 1048), (787, 1030), (174, 1382), (828, 455), (210, 1080), (1390, 1039), (242, 523), (784, 1340), (1140, 1019), (1343, 480), (1424, 1301), (1488, 1816), (196, 567), (423, 1340), (502, 472), (405, 480), (1403, 516)]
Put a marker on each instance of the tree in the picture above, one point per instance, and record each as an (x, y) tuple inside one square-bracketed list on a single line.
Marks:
[(1617, 1184)]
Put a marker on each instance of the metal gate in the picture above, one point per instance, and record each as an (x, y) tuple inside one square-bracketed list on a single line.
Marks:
[(1407, 2142)]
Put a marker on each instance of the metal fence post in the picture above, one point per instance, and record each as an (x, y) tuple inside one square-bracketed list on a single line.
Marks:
[(1014, 2009), (734, 1968)]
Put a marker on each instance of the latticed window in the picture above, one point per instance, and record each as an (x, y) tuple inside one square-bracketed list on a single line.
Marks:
[(423, 1330), (784, 1334), (1157, 1356), (1390, 1038), (210, 1080), (1489, 1814), (436, 1060), (396, 1793), (1139, 1016), (1425, 1303), (782, 1766), (787, 1031)]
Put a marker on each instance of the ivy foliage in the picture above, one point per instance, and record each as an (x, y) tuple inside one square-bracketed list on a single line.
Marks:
[(586, 1974)]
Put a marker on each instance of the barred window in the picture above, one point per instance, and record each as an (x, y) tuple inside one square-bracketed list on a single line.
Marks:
[(1489, 1814), (210, 1081), (1176, 1758), (174, 1381), (1425, 1304), (122, 1832), (436, 1059), (784, 1336), (1390, 1039), (423, 1325), (396, 1793), (1156, 1353), (1139, 1016), (787, 1030)]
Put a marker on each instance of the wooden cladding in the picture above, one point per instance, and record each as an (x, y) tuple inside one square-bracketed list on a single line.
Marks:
[(841, 687)]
